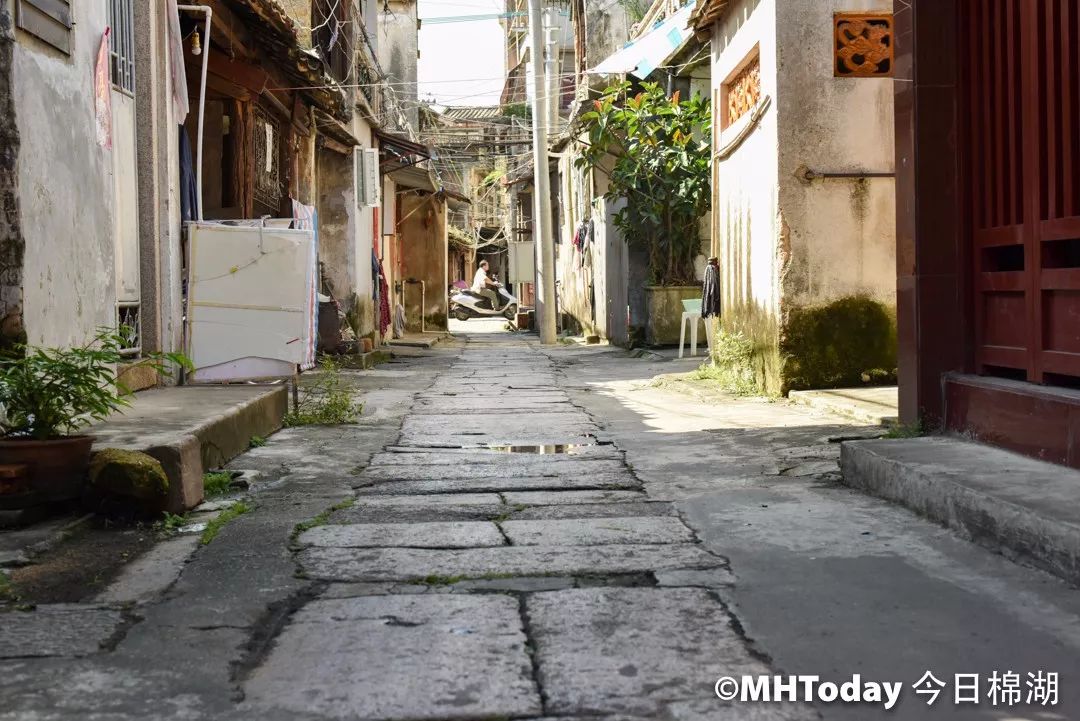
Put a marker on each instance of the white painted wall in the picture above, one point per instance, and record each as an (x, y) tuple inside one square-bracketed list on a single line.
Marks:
[(842, 231), (65, 187), (781, 236), (745, 195)]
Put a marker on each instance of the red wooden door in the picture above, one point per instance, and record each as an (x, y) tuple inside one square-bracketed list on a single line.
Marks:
[(1022, 73)]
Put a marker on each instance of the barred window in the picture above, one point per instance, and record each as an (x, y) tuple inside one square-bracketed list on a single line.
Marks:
[(122, 44)]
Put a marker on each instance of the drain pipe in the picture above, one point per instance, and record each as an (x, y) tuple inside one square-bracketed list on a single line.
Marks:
[(208, 12)]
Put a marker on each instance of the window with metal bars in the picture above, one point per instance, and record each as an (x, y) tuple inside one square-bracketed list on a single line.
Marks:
[(268, 191), (122, 44)]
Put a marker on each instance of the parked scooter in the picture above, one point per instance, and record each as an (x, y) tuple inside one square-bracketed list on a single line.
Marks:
[(464, 304)]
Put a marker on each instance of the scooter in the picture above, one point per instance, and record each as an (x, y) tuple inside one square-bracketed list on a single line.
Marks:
[(464, 304)]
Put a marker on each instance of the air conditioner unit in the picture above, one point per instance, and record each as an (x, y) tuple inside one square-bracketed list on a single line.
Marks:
[(366, 177)]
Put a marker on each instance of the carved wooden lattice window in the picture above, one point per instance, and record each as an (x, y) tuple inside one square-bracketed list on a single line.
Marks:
[(267, 162), (864, 45), (743, 91)]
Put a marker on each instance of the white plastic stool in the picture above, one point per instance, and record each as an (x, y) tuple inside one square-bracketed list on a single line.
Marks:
[(692, 317)]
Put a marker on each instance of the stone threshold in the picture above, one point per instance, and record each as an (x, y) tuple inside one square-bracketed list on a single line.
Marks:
[(1025, 509)]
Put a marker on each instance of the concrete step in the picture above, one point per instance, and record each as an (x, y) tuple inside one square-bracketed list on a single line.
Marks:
[(1025, 509), (873, 406), (191, 429)]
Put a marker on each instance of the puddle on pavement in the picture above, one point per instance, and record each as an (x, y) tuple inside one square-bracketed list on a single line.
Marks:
[(569, 449)]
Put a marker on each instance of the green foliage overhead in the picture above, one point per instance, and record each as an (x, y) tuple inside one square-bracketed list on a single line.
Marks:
[(657, 149), (49, 392)]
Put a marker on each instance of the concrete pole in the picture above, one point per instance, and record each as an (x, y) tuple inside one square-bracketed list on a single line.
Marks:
[(545, 245), (552, 37)]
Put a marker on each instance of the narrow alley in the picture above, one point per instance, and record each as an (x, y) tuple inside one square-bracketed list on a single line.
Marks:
[(611, 548)]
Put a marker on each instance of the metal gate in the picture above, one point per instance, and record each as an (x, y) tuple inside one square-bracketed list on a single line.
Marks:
[(1022, 109)]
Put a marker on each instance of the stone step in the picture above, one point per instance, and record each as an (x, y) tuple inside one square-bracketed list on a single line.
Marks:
[(1023, 508), (190, 429)]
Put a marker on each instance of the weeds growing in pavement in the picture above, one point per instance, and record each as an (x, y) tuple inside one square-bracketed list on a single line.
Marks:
[(256, 442), (904, 430), (322, 519), (170, 523), (216, 483), (325, 401), (213, 528)]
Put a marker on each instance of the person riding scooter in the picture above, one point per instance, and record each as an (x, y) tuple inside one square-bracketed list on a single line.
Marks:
[(484, 286)]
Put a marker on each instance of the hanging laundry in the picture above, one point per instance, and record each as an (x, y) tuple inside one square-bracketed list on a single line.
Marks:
[(189, 188), (178, 76), (103, 94), (710, 290), (384, 301)]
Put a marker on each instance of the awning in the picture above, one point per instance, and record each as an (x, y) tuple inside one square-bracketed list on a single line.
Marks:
[(652, 50), (413, 178), (397, 151)]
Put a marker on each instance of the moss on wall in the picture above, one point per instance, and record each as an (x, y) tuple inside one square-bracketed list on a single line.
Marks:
[(757, 331), (12, 243), (837, 344)]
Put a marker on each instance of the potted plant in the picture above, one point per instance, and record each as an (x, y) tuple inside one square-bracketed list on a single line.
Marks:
[(655, 151), (46, 396)]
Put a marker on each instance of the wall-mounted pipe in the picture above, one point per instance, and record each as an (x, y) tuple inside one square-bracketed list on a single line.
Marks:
[(208, 12), (808, 175)]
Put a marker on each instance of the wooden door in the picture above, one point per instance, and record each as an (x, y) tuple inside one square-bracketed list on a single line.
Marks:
[(1022, 154)]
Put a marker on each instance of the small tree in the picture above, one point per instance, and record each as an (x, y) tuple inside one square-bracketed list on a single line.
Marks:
[(659, 148)]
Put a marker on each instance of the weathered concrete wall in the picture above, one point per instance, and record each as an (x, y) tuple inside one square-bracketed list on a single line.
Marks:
[(346, 232), (839, 281), (841, 231), (12, 246), (745, 198), (424, 252), (398, 46), (65, 188), (807, 268)]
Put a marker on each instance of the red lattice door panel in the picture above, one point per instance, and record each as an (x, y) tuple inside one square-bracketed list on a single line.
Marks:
[(1022, 70)]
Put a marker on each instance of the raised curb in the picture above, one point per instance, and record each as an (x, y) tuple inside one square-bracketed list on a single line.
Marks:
[(856, 409), (1025, 509), (187, 452)]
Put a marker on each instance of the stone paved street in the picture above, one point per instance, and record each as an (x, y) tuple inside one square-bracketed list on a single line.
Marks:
[(536, 533)]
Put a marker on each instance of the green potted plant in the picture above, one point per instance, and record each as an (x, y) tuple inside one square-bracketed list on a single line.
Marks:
[(46, 396), (655, 151)]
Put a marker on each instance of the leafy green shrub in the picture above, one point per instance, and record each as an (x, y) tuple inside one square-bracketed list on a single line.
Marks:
[(51, 392), (659, 150), (326, 400), (732, 364)]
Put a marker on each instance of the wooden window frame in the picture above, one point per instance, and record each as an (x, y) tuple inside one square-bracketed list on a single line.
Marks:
[(753, 57), (47, 20)]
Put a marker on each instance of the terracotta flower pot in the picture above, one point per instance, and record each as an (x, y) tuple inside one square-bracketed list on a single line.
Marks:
[(36, 472)]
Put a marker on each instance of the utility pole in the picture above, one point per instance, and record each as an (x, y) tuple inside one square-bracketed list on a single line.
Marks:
[(545, 244)]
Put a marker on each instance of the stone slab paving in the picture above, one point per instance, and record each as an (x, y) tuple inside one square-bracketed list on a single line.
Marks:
[(411, 535), (471, 470), (557, 498), (598, 481), (408, 564), (631, 650), (521, 512), (597, 531), (448, 499), (57, 630), (477, 456), (442, 512), (400, 657)]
